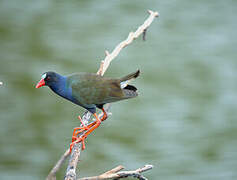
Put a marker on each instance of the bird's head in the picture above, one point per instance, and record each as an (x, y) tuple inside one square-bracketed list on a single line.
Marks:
[(48, 79)]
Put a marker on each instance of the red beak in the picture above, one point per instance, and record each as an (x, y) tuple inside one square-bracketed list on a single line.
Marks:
[(41, 83)]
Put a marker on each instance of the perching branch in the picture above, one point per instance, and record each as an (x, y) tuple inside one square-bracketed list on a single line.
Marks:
[(76, 150), (116, 173)]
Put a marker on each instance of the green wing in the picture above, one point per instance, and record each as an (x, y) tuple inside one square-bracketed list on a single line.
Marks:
[(94, 89)]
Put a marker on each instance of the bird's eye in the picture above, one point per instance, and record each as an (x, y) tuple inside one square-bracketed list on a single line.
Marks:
[(48, 78)]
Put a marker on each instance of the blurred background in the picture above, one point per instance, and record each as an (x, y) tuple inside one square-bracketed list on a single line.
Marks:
[(183, 122)]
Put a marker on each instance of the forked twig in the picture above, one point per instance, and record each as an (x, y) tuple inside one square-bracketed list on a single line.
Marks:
[(75, 154)]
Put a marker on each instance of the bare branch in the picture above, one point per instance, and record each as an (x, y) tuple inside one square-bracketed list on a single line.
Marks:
[(52, 174), (72, 165), (132, 35), (76, 150), (116, 173), (71, 169)]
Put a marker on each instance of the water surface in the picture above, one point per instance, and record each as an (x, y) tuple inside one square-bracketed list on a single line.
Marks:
[(184, 120)]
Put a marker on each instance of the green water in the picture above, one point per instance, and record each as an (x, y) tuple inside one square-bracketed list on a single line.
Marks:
[(184, 120)]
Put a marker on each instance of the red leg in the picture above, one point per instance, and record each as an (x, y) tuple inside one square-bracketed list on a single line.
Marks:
[(105, 116), (83, 128), (79, 130), (79, 117), (86, 128), (82, 139)]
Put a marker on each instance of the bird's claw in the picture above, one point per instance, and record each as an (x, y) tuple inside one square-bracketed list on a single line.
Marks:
[(89, 128), (79, 130), (76, 132), (77, 140)]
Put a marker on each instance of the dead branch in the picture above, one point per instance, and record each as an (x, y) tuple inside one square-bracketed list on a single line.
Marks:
[(52, 174), (116, 173), (76, 150), (132, 35)]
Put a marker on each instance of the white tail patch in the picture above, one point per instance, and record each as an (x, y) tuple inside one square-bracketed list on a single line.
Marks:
[(124, 84)]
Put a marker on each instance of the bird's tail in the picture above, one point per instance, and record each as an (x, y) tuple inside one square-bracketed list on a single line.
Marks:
[(125, 80), (129, 90)]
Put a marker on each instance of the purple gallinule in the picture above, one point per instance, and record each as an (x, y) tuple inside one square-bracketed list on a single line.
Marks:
[(90, 91)]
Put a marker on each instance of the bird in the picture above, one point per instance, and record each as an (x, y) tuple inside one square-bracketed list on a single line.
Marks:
[(89, 91)]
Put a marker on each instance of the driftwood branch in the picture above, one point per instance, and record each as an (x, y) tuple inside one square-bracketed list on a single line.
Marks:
[(116, 173), (76, 150)]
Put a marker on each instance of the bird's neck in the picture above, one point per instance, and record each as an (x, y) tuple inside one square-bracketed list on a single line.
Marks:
[(60, 87)]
